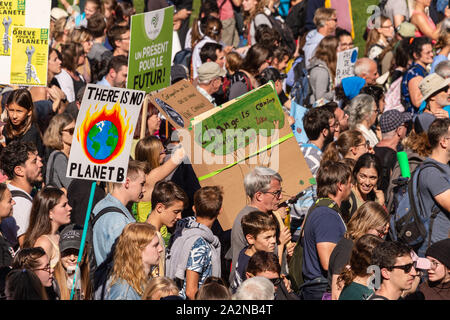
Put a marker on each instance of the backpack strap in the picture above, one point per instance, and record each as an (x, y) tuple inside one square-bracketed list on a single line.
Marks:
[(321, 202), (105, 211), (20, 194), (436, 210)]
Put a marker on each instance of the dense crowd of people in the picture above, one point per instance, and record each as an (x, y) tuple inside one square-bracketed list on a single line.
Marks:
[(375, 225)]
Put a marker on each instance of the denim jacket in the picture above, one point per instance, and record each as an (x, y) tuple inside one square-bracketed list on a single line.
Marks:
[(109, 227), (121, 290)]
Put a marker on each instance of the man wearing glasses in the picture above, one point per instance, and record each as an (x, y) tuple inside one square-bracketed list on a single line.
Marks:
[(263, 186), (397, 270)]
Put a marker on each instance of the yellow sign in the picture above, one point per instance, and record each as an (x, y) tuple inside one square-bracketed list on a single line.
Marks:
[(30, 56), (12, 13)]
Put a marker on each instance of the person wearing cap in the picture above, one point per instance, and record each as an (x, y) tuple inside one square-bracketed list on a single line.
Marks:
[(438, 285), (69, 247), (435, 95), (394, 127), (210, 79), (397, 270), (434, 185)]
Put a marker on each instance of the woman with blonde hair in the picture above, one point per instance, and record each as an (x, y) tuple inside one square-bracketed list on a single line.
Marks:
[(160, 287), (137, 251), (254, 16), (369, 218), (151, 150), (65, 269), (58, 139), (322, 70), (442, 45), (350, 144)]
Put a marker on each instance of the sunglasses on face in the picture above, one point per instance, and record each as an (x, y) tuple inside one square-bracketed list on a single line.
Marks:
[(46, 268), (276, 281), (406, 267)]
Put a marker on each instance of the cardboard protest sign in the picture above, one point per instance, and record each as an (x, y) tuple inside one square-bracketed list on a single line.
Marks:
[(227, 142), (12, 13), (29, 61), (150, 55), (103, 133), (345, 64)]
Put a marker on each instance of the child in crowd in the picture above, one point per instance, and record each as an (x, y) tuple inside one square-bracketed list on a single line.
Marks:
[(259, 229), (195, 252)]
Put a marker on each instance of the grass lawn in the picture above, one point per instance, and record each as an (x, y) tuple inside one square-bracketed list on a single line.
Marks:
[(360, 16)]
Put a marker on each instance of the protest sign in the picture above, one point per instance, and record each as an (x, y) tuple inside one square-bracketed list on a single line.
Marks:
[(150, 54), (345, 64), (103, 133), (12, 13), (29, 61), (29, 14), (225, 143)]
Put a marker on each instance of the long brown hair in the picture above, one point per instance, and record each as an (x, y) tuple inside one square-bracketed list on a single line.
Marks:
[(259, 8), (370, 215), (337, 150), (148, 149), (40, 223), (360, 258), (22, 98), (327, 52)]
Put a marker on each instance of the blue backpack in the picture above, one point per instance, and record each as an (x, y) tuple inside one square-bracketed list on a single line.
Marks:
[(409, 222), (300, 91)]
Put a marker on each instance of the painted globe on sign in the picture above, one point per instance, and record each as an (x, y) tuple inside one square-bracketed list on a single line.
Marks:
[(102, 140)]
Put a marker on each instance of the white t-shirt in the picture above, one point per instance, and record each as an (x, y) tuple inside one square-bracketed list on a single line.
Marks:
[(21, 211)]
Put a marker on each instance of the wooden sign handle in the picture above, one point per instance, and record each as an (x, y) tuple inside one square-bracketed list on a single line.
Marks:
[(144, 117)]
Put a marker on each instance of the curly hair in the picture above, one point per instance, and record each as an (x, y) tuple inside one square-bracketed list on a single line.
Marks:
[(259, 8), (16, 153), (44, 201), (360, 108), (128, 255), (360, 258), (418, 143)]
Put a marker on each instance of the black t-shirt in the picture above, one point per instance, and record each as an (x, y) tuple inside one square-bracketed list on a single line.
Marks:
[(339, 258), (388, 159)]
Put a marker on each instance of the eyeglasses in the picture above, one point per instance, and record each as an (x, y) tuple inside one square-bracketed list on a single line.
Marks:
[(367, 144), (406, 268), (335, 125), (69, 131), (47, 268), (276, 194), (435, 264), (276, 281)]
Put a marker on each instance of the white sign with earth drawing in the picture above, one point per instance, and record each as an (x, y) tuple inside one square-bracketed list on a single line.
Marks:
[(103, 133)]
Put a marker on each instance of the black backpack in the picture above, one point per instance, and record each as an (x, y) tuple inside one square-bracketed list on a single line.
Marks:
[(295, 264), (287, 37)]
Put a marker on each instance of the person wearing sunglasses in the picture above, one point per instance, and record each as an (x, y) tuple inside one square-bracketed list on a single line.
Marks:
[(58, 140), (266, 264), (397, 270)]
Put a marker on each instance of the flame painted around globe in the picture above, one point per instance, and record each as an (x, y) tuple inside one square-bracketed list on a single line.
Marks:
[(102, 134)]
